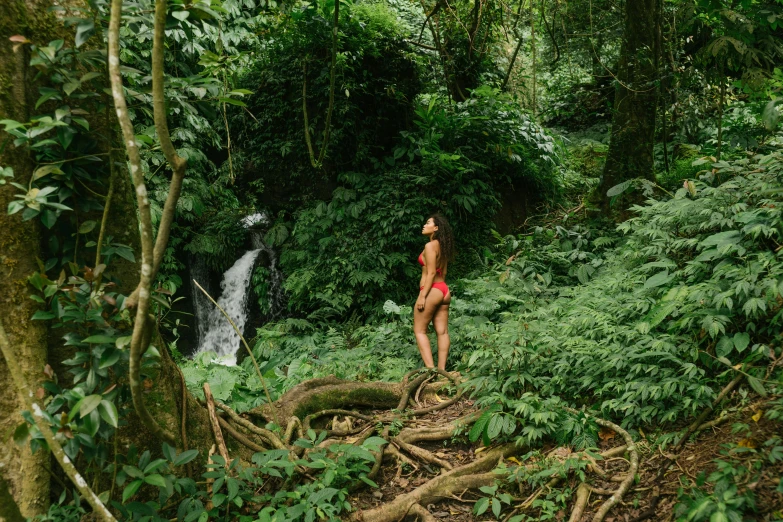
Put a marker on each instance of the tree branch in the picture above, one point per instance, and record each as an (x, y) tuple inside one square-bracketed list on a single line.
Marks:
[(137, 347), (177, 163)]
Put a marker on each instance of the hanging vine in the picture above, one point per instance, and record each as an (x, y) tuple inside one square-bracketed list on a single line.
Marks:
[(317, 163)]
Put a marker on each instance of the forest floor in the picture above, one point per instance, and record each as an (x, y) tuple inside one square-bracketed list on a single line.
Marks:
[(745, 428)]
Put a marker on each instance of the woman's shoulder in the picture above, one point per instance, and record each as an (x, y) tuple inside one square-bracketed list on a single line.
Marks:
[(432, 245)]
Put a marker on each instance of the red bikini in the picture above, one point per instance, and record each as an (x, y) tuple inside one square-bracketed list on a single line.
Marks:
[(440, 285)]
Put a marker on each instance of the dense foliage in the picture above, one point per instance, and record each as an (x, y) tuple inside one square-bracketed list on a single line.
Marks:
[(496, 116)]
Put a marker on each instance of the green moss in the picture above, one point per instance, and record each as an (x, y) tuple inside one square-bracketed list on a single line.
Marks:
[(339, 398)]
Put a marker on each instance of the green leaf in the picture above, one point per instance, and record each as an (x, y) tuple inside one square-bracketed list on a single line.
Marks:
[(180, 15), (478, 427), (496, 507), (185, 457), (42, 315), (46, 95), (133, 471), (91, 422), (661, 278), (99, 339), (155, 480), (481, 506), (619, 189), (232, 101), (48, 218), (87, 226), (21, 433), (11, 124), (495, 426), (81, 121), (88, 404), (741, 341), (131, 490), (71, 86), (45, 171), (232, 486), (722, 238), (724, 346), (108, 412), (757, 386), (89, 76), (84, 30), (108, 358)]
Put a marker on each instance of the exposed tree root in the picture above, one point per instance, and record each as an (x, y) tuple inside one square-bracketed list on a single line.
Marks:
[(269, 436), (238, 436), (421, 453), (582, 496), (629, 477), (695, 426), (469, 476), (422, 515), (221, 444)]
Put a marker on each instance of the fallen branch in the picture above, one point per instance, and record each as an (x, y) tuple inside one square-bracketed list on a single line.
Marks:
[(221, 444)]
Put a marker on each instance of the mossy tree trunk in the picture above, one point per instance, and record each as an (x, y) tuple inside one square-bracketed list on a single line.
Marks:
[(26, 474), (636, 93)]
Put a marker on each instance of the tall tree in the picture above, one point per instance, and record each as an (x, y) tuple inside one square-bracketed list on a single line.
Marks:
[(26, 473), (633, 122)]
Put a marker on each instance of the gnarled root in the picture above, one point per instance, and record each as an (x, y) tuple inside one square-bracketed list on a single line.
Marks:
[(470, 476), (582, 496), (422, 515), (628, 478), (421, 453)]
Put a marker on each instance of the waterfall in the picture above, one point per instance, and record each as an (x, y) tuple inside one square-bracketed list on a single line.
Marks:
[(220, 336), (215, 333)]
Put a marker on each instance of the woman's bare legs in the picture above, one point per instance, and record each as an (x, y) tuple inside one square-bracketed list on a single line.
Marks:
[(421, 319), (441, 323)]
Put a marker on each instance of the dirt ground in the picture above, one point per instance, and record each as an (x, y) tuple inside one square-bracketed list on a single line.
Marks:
[(697, 457)]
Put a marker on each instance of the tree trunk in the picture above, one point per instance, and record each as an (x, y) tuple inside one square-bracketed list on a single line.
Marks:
[(633, 123), (26, 474)]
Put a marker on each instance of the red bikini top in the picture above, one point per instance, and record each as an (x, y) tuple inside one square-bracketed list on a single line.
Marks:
[(421, 262)]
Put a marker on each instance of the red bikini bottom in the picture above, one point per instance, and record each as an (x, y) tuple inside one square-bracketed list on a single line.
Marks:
[(441, 285)]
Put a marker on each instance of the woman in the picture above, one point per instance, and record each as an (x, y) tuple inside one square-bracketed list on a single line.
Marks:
[(434, 297)]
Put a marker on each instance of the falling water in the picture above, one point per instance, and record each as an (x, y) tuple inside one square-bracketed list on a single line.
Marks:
[(220, 336), (215, 333)]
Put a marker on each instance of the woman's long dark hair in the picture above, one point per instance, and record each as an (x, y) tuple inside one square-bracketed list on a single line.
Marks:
[(445, 238)]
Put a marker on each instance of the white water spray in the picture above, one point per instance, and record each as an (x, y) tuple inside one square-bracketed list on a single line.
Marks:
[(220, 337)]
